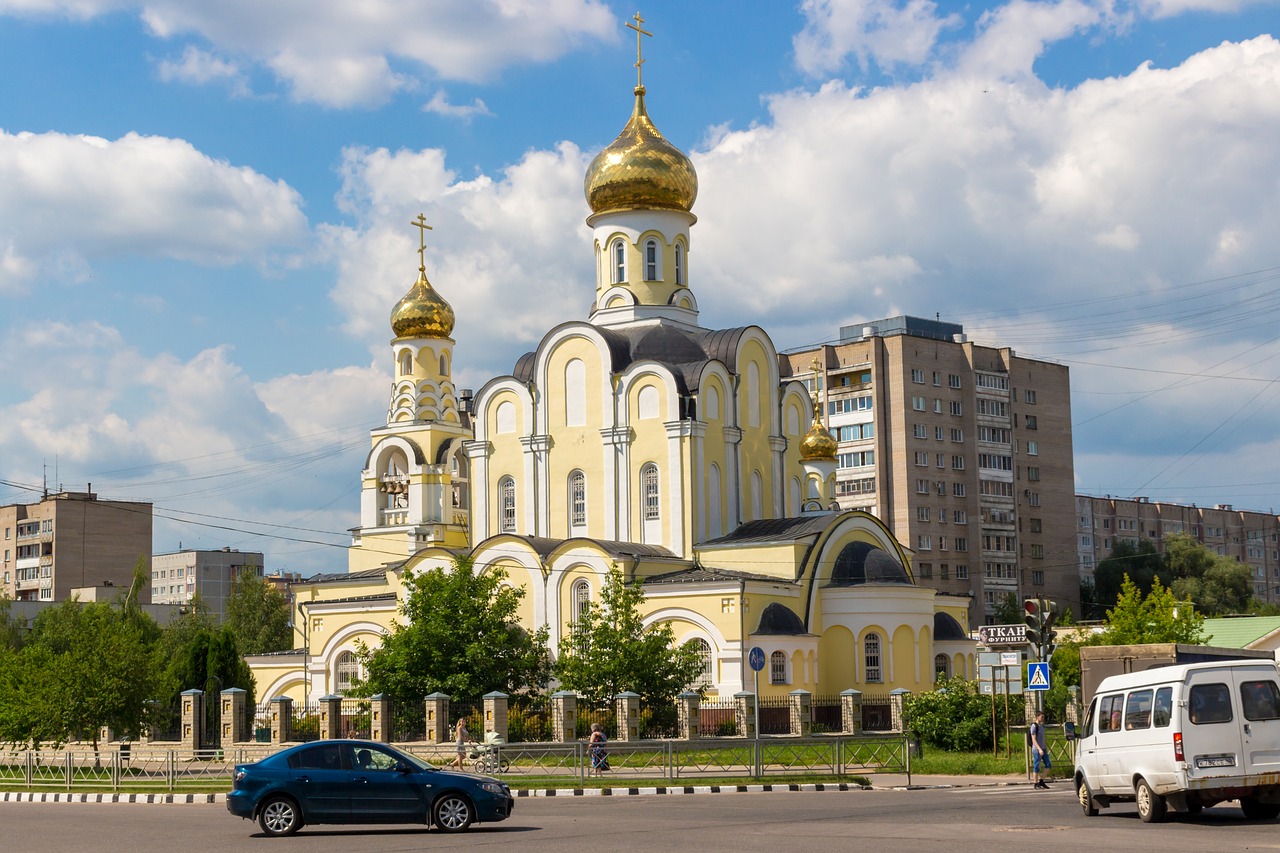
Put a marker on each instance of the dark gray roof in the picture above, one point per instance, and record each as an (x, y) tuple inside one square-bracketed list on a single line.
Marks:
[(685, 352), (861, 562), (543, 546), (774, 529), (347, 577), (779, 619), (701, 574), (366, 599), (945, 627)]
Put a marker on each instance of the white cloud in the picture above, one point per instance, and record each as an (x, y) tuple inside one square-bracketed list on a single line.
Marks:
[(887, 32), (347, 54), (71, 199), (201, 67), (439, 104), (511, 254)]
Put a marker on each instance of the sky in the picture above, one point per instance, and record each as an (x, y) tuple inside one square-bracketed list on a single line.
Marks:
[(204, 220)]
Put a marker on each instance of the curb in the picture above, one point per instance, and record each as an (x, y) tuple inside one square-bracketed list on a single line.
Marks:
[(153, 799), (520, 793)]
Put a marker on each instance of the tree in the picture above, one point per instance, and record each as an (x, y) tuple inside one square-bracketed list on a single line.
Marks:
[(258, 615), (1141, 563), (953, 716), (459, 633), (88, 666), (610, 650), (1217, 585), (1009, 610), (1157, 617)]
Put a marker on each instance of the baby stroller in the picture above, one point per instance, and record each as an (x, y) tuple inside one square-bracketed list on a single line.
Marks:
[(487, 756)]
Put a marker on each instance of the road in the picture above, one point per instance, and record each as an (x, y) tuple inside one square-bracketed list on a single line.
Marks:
[(956, 820)]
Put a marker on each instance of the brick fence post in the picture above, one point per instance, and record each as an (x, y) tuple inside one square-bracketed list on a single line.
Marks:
[(380, 728), (281, 720), (235, 727), (331, 716), (851, 712), (437, 717), (495, 713), (746, 714), (689, 714), (564, 717), (801, 707), (627, 707), (192, 719)]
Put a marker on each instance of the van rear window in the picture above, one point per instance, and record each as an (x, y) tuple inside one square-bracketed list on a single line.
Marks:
[(1260, 700), (1164, 706), (1210, 703), (1137, 710)]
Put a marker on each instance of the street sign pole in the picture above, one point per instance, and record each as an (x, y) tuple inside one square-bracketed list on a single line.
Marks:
[(755, 658)]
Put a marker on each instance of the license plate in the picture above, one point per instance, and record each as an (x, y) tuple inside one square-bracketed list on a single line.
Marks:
[(1216, 761)]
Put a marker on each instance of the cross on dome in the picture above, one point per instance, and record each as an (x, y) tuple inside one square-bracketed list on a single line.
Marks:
[(638, 26), (421, 224)]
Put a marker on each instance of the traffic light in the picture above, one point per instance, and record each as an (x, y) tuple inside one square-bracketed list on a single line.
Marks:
[(1049, 612), (1035, 624), (1040, 618)]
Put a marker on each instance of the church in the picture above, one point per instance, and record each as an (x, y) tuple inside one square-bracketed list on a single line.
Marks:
[(684, 456)]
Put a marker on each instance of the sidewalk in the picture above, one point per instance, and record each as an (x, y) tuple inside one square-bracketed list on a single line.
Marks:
[(884, 781)]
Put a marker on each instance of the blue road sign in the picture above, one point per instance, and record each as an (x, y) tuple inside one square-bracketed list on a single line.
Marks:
[(1038, 675), (755, 657)]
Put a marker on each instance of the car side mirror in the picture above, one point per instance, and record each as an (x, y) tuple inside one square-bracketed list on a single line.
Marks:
[(1069, 729)]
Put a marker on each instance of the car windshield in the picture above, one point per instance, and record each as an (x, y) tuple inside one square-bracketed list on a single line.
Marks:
[(413, 760)]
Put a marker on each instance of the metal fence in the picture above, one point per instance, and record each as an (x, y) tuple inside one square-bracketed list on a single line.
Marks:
[(775, 715), (718, 717), (141, 769), (828, 714), (877, 714)]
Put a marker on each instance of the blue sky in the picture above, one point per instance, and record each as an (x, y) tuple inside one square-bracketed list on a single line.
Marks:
[(204, 219)]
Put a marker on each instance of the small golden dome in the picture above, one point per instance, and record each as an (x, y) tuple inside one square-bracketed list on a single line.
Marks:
[(641, 169), (422, 313), (817, 442)]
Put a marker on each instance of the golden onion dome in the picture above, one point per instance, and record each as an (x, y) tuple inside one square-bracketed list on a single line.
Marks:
[(422, 313), (818, 443), (641, 169)]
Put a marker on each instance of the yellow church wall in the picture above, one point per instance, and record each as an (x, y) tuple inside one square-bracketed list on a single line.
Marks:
[(924, 648), (838, 657), (506, 458), (575, 447), (517, 577), (650, 445), (779, 560), (905, 660), (712, 510), (754, 416)]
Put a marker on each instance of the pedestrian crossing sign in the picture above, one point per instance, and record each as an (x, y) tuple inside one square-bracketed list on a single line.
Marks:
[(1038, 675)]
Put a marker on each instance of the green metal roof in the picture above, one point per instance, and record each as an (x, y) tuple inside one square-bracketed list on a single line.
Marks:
[(1239, 632)]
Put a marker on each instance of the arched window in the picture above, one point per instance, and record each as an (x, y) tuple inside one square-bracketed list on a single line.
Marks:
[(651, 260), (778, 668), (406, 362), (581, 598), (346, 671), (941, 667), (707, 676), (679, 259), (577, 499), (652, 495), (507, 496), (871, 659), (444, 365), (619, 261)]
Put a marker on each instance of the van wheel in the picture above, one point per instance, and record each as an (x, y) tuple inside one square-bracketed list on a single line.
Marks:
[(1255, 810), (1151, 806), (1086, 799), (1194, 807)]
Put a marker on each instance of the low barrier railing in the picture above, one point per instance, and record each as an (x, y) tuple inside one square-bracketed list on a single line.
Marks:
[(141, 769)]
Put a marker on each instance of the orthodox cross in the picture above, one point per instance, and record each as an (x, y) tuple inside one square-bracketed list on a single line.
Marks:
[(638, 26), (421, 224)]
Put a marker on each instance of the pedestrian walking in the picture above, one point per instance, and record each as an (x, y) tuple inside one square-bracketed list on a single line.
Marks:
[(463, 737), (1039, 751)]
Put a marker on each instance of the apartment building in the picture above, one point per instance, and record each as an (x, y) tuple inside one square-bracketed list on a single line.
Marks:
[(176, 577), (70, 540), (963, 449), (1252, 538)]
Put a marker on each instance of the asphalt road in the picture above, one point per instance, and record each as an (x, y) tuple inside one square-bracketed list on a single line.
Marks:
[(956, 820)]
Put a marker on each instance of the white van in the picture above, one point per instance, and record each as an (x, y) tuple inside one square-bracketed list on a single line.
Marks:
[(1187, 737)]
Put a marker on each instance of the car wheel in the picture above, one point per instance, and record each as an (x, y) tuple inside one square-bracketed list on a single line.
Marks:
[(453, 813), (1255, 810), (280, 816), (1086, 799), (1151, 806)]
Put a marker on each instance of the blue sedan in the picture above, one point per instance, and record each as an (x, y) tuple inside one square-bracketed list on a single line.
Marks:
[(356, 781)]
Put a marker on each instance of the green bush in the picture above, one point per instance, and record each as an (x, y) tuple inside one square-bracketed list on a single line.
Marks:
[(953, 716)]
